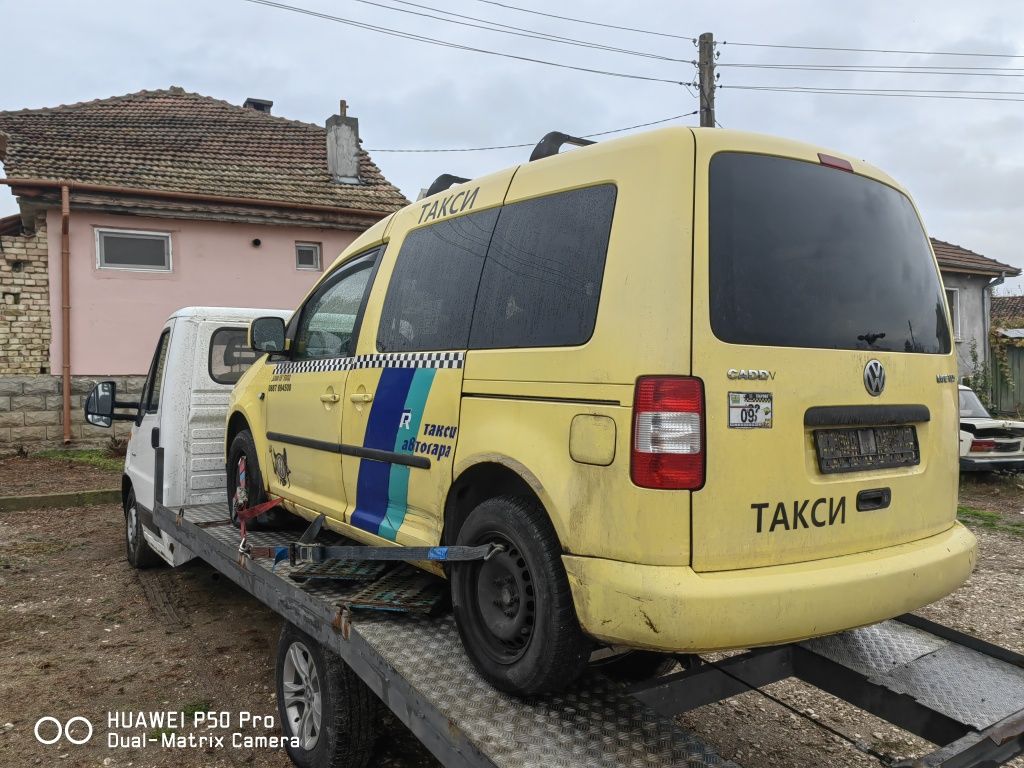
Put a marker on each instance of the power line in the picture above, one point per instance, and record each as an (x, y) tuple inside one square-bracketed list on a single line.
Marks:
[(691, 38), (951, 72), (509, 29), (865, 92), (533, 143), (449, 44), (949, 67), (883, 90), (875, 50)]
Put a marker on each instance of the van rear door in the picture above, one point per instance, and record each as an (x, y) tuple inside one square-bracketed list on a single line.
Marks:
[(822, 337)]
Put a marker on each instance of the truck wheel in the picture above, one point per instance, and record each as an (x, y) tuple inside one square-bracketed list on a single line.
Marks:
[(515, 612), (323, 705), (245, 481), (139, 554)]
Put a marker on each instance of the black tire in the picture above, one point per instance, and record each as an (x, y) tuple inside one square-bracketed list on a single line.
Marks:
[(255, 491), (515, 612), (637, 666), (350, 713), (138, 552)]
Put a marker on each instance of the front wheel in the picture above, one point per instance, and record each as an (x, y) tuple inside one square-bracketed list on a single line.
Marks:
[(245, 481), (328, 714), (515, 612), (137, 549)]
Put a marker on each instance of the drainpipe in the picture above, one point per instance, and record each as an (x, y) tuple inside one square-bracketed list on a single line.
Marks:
[(995, 283), (65, 300)]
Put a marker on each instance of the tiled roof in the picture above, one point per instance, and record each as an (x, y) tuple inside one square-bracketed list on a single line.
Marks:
[(1007, 312), (10, 225), (176, 141), (958, 259)]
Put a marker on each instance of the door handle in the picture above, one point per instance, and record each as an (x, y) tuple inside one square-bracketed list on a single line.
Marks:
[(361, 397), (330, 397)]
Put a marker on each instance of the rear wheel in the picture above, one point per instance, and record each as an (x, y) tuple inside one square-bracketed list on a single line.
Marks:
[(514, 611), (324, 706), (245, 481), (137, 550)]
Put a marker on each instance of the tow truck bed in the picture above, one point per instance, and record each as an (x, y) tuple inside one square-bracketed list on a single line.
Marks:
[(962, 694)]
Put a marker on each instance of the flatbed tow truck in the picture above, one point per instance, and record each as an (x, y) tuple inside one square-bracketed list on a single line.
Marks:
[(387, 622), (962, 694)]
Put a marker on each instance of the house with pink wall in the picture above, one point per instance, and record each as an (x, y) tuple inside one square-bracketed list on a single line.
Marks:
[(134, 206)]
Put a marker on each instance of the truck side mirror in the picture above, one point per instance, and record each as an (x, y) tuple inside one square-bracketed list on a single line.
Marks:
[(100, 405), (266, 334)]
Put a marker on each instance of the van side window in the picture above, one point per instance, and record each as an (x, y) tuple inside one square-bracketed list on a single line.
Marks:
[(230, 355), (542, 278), (154, 382), (327, 326), (429, 304)]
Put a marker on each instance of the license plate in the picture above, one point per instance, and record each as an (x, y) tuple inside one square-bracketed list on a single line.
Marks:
[(866, 448), (750, 410)]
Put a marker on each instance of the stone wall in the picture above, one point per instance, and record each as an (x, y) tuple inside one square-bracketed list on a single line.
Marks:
[(31, 412), (24, 303)]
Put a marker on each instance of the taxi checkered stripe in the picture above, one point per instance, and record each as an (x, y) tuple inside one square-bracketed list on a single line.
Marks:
[(386, 360)]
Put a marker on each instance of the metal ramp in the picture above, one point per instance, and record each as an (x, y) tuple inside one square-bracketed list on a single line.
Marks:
[(962, 694)]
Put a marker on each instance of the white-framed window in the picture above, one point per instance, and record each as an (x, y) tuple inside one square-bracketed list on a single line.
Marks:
[(307, 256), (953, 299), (134, 250)]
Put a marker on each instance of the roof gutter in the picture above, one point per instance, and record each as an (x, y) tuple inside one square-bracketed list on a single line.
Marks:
[(77, 186)]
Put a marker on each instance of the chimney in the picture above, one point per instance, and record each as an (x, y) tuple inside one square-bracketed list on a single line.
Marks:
[(260, 105), (343, 146)]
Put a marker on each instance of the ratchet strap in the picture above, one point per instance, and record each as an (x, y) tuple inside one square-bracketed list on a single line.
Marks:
[(306, 551)]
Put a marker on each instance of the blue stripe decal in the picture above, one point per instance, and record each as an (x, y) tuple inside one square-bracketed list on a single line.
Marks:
[(438, 553), (381, 428), (398, 484)]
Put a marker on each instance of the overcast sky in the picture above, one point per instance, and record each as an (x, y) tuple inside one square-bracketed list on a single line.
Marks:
[(962, 160)]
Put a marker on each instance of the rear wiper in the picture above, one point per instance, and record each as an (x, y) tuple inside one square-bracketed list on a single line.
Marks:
[(871, 338)]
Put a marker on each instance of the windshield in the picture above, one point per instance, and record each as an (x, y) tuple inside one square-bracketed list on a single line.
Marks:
[(803, 255), (971, 407)]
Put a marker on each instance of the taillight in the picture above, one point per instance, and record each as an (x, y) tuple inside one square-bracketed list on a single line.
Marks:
[(668, 433), (983, 445)]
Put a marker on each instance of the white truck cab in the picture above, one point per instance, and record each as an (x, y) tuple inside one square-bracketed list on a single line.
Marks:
[(200, 354)]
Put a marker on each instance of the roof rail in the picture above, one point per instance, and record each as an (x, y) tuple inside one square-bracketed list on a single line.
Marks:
[(553, 142), (442, 183)]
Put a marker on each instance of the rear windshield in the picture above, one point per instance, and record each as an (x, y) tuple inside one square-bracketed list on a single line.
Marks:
[(230, 355), (803, 255), (971, 407)]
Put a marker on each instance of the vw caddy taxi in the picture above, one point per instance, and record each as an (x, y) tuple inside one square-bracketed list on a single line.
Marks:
[(698, 385)]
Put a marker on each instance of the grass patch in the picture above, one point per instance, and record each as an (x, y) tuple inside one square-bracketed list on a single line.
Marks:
[(199, 705), (98, 459), (991, 520)]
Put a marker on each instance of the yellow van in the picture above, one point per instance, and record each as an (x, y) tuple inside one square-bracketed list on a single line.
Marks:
[(699, 385)]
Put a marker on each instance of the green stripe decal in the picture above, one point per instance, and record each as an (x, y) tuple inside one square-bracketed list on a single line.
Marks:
[(398, 482)]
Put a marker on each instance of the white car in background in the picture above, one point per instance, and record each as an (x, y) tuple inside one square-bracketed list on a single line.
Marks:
[(988, 444)]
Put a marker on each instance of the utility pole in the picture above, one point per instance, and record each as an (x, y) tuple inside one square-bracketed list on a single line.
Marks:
[(706, 80)]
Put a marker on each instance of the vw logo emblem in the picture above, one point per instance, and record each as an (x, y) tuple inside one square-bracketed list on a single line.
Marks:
[(874, 378)]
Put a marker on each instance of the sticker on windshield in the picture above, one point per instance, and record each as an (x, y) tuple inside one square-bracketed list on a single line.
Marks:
[(750, 410)]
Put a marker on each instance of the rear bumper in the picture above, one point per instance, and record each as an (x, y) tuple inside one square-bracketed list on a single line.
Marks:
[(986, 464), (673, 608)]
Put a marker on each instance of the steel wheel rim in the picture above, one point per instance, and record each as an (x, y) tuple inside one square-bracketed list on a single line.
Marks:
[(303, 699), (504, 601), (130, 530), (241, 497)]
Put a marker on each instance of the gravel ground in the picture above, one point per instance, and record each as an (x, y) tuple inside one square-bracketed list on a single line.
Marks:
[(85, 634), (22, 476)]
